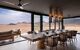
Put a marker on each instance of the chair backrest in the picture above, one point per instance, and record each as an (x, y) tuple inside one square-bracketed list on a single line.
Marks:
[(62, 37), (32, 32), (69, 33), (74, 32), (52, 42), (29, 32), (17, 32), (6, 33)]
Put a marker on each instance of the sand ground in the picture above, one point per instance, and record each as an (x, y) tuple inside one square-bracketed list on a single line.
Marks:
[(27, 27)]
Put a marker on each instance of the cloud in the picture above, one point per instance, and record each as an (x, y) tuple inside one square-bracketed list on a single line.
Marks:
[(7, 16)]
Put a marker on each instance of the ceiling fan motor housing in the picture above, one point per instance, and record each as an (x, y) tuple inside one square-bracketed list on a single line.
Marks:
[(19, 3)]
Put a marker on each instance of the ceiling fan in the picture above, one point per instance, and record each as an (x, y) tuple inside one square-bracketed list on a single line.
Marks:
[(20, 5)]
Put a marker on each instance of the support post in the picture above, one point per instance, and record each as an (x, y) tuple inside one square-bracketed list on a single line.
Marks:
[(41, 23), (32, 22)]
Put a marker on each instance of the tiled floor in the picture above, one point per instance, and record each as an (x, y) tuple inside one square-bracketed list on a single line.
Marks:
[(25, 45)]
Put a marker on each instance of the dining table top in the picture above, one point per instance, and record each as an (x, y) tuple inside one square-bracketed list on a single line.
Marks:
[(32, 37), (35, 37)]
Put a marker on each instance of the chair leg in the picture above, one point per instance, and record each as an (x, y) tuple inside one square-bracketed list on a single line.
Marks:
[(20, 35), (12, 38), (30, 42), (66, 44), (75, 38), (63, 47), (72, 41), (56, 47), (51, 48)]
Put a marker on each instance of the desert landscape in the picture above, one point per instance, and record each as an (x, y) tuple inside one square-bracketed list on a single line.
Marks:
[(25, 27)]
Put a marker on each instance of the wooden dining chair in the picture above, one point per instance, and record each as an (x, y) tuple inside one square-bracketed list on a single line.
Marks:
[(31, 32), (63, 39), (74, 33), (52, 42), (69, 36)]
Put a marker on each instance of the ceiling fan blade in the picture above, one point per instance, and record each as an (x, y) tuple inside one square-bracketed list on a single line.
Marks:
[(8, 2), (21, 7), (20, 0), (25, 4)]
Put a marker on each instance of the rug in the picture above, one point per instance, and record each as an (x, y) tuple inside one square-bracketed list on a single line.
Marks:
[(16, 40)]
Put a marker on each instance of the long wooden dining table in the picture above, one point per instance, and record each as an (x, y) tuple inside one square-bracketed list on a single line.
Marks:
[(38, 37), (35, 37)]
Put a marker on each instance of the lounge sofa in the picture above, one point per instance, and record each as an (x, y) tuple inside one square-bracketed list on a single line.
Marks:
[(7, 35)]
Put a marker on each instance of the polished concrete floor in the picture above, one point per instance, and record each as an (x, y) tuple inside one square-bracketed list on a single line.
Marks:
[(25, 45)]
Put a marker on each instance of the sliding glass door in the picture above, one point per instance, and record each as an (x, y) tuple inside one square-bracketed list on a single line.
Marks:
[(45, 23), (36, 23), (13, 20)]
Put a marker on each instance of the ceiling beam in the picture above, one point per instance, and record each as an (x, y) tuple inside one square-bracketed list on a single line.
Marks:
[(38, 13)]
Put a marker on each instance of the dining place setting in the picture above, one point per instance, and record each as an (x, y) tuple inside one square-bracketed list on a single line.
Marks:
[(50, 38)]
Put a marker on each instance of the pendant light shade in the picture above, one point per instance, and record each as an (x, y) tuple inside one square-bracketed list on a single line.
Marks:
[(50, 11), (60, 14), (55, 12)]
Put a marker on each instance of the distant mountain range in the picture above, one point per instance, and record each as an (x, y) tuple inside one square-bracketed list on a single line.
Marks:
[(75, 21), (11, 24), (72, 21), (23, 23)]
